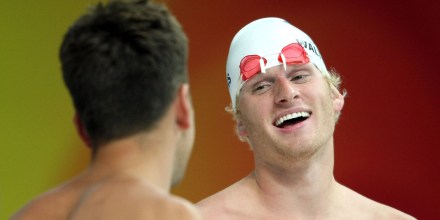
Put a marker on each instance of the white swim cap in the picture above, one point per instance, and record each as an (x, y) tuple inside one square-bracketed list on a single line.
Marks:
[(263, 37)]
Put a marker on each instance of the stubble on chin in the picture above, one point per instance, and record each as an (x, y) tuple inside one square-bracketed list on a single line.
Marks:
[(297, 152)]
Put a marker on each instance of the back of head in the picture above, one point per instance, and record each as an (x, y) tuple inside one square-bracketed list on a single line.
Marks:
[(122, 63)]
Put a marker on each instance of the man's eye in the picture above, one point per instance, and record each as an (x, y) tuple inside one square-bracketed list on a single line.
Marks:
[(300, 78), (260, 87)]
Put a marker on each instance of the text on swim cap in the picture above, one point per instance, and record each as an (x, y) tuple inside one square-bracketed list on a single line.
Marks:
[(310, 46)]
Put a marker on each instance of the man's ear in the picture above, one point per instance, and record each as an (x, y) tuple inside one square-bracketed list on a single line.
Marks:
[(338, 100), (241, 129), (183, 107), (81, 130)]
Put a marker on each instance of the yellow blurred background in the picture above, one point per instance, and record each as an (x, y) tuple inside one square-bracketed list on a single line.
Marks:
[(386, 141)]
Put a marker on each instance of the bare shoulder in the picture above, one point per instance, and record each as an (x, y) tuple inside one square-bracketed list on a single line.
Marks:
[(166, 207), (213, 205), (32, 210), (392, 213), (183, 209), (115, 198), (382, 211), (228, 203), (370, 209), (132, 199), (49, 205)]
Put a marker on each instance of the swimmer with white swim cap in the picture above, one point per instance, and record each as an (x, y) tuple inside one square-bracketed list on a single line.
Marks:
[(266, 37), (286, 105)]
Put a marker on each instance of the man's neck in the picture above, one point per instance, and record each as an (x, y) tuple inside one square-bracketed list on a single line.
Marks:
[(303, 187), (137, 156)]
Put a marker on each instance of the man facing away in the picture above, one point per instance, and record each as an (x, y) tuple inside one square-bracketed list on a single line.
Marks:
[(125, 65), (286, 104)]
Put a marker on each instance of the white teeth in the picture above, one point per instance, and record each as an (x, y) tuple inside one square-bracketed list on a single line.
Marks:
[(292, 116)]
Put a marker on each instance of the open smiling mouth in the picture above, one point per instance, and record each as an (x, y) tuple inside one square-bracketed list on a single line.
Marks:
[(291, 119)]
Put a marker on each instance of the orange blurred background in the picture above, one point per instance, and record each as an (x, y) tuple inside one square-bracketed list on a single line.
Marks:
[(386, 142)]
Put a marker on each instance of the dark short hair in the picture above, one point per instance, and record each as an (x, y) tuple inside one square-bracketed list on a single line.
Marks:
[(123, 63)]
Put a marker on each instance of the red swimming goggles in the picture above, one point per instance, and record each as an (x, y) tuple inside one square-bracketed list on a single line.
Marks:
[(293, 53)]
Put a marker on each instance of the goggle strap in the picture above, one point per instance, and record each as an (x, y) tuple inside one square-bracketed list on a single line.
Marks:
[(262, 66), (283, 58)]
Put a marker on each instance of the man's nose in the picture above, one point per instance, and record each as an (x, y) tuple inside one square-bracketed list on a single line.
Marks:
[(285, 91)]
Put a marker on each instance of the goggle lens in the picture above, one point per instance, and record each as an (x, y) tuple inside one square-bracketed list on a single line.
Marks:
[(250, 65), (294, 53)]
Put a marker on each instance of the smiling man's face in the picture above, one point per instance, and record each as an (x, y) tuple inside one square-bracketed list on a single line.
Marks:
[(288, 113)]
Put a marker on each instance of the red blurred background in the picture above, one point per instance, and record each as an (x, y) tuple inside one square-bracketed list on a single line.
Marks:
[(386, 141)]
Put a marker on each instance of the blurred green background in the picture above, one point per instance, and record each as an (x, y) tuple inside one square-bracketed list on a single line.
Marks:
[(36, 139)]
